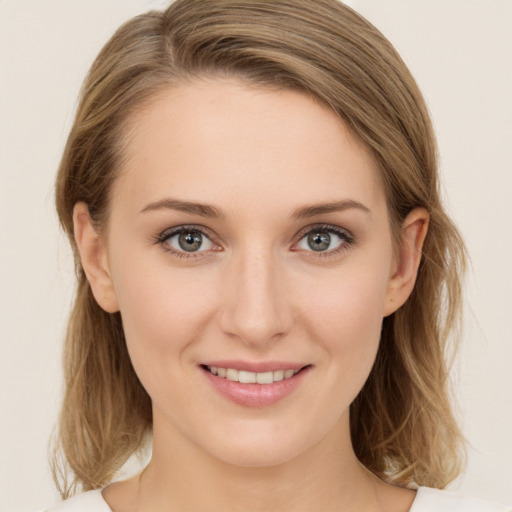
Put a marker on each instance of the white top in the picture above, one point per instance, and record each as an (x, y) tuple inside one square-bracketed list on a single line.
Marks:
[(427, 500), (435, 500)]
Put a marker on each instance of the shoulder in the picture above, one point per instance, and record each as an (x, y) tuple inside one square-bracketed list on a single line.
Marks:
[(90, 501), (436, 500)]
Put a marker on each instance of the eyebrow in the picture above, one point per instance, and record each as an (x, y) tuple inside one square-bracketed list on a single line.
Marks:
[(337, 206), (204, 210), (209, 211)]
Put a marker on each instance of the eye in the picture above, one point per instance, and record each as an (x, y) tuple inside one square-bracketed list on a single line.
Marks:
[(324, 239), (185, 239)]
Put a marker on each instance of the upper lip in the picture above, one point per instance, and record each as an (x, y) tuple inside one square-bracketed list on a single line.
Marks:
[(256, 367)]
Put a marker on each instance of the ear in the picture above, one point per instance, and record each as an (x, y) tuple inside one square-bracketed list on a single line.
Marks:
[(93, 255), (407, 260)]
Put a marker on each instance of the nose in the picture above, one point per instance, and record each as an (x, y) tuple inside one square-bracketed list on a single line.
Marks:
[(256, 308)]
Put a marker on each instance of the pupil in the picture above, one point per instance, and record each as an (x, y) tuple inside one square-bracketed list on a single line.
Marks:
[(190, 241), (319, 241)]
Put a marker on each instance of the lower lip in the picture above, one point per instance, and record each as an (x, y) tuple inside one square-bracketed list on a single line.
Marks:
[(256, 395)]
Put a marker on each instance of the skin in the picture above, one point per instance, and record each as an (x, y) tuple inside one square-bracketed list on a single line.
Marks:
[(255, 291)]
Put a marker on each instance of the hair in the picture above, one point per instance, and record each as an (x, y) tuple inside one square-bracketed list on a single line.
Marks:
[(402, 424)]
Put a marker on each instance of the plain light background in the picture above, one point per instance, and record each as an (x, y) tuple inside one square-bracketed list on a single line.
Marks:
[(460, 51)]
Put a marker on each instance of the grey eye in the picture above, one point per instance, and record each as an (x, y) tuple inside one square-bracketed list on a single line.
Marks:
[(321, 241), (189, 241)]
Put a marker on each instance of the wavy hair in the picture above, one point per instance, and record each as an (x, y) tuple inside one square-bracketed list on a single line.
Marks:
[(402, 424)]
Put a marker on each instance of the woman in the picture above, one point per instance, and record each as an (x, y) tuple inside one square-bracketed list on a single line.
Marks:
[(266, 274)]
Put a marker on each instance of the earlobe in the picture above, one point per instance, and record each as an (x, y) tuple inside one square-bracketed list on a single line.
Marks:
[(93, 256), (407, 261)]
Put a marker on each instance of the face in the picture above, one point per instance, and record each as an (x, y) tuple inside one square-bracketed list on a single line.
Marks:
[(249, 252)]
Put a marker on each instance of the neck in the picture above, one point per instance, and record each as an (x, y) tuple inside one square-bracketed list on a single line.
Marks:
[(328, 476)]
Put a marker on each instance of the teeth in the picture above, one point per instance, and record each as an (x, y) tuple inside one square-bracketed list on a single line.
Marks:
[(278, 375), (265, 378), (246, 377), (232, 374), (251, 377)]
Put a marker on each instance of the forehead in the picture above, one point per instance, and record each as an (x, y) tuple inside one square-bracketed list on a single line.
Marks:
[(218, 139)]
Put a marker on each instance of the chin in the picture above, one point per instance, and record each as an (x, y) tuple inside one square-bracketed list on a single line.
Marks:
[(263, 443)]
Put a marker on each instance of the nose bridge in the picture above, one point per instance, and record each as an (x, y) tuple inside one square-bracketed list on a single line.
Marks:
[(256, 310)]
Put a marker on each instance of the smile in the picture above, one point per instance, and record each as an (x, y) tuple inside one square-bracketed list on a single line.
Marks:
[(255, 384), (246, 377)]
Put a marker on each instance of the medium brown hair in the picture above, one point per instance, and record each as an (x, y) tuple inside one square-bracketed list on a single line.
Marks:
[(402, 424)]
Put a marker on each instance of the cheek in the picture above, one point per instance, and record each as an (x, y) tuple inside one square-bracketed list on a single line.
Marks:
[(345, 317), (162, 311)]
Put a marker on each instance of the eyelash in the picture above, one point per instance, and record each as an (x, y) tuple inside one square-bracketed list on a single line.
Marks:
[(163, 238), (347, 240)]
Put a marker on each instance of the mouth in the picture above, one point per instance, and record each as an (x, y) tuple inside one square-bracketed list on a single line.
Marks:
[(269, 384), (248, 377), (255, 384)]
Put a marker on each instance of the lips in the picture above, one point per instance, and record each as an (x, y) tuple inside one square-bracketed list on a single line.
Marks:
[(254, 384)]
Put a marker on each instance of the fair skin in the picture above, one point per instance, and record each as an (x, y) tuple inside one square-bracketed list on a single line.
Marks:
[(287, 261)]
